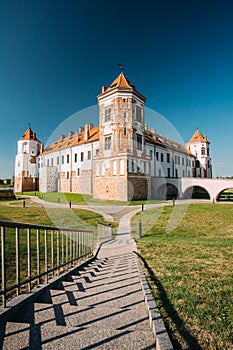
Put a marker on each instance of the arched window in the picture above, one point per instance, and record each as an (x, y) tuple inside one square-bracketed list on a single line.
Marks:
[(203, 151)]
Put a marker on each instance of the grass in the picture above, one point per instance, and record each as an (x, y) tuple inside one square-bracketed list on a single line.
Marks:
[(81, 199), (190, 273)]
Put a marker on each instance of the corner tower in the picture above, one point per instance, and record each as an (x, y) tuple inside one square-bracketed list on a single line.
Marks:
[(199, 146), (120, 161), (26, 167)]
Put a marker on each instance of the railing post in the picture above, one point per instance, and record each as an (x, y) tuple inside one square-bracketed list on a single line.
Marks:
[(62, 247), (140, 228), (46, 255), (17, 246), (29, 259), (58, 250), (3, 241), (52, 252), (38, 254)]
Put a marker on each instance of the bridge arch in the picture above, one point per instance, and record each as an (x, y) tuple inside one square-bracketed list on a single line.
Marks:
[(196, 192), (168, 191), (223, 195)]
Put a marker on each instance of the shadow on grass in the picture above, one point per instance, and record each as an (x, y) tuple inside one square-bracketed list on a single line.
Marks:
[(190, 340)]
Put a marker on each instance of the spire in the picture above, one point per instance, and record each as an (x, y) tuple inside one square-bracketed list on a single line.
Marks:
[(198, 137), (29, 135)]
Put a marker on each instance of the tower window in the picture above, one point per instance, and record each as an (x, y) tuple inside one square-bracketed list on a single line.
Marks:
[(57, 160), (108, 114), (208, 151), (67, 158), (89, 155), (75, 158), (139, 142), (108, 143), (161, 157), (203, 151), (168, 157), (138, 114), (82, 156), (78, 172), (62, 159), (125, 116)]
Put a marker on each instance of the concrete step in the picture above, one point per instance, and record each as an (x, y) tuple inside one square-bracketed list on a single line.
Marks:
[(46, 336)]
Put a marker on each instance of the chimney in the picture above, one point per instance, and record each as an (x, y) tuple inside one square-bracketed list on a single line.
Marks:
[(34, 136), (146, 127), (80, 130), (153, 131), (41, 147), (104, 89), (86, 132), (62, 137), (91, 126), (71, 133)]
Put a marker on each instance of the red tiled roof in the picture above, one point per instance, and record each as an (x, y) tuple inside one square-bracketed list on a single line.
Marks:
[(73, 140), (29, 135)]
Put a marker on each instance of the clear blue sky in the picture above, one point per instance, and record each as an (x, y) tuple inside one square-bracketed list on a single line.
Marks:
[(56, 55)]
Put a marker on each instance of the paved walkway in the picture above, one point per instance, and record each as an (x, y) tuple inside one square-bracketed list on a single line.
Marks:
[(100, 306)]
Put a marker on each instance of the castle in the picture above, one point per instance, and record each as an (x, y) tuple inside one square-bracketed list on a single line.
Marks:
[(118, 160)]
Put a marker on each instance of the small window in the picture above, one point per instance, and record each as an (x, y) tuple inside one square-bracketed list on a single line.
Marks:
[(108, 114), (161, 157), (168, 157), (52, 162), (67, 158), (138, 114), (57, 160), (89, 155), (157, 155), (67, 174), (139, 142), (125, 132), (75, 157), (82, 156), (62, 159), (168, 172), (78, 172), (108, 143), (125, 116), (178, 158), (47, 162), (182, 160), (208, 151), (97, 151), (203, 151)]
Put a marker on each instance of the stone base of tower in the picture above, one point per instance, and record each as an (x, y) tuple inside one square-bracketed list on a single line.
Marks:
[(26, 184), (122, 189)]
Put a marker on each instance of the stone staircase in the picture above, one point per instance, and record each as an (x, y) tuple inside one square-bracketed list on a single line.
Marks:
[(100, 306)]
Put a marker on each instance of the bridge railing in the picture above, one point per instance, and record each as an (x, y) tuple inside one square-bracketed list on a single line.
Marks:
[(31, 254)]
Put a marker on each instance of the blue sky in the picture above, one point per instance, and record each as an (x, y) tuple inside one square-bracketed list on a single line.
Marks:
[(56, 55)]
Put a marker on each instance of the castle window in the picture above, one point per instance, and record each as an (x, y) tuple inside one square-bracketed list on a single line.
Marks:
[(82, 156), (67, 174), (183, 173), (138, 114), (157, 155), (114, 167), (208, 164), (78, 172), (108, 114), (97, 151), (176, 175), (182, 160), (208, 151), (130, 165), (139, 142), (161, 157), (47, 162), (203, 151), (125, 116), (97, 169), (160, 173), (168, 172), (57, 160), (75, 157), (62, 159), (67, 158), (168, 157), (178, 158), (108, 143), (52, 162), (89, 155), (122, 167)]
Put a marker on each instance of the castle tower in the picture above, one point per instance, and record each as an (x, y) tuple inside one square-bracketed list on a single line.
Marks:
[(119, 171), (26, 167), (199, 146)]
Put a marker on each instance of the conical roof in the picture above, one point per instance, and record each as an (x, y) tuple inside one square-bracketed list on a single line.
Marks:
[(29, 135), (198, 137)]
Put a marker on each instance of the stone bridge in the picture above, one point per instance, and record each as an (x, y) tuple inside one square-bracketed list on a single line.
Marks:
[(183, 187)]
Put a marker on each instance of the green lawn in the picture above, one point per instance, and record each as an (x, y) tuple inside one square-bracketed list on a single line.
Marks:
[(81, 199), (190, 273)]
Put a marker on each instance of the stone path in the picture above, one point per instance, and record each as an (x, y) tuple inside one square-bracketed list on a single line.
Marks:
[(100, 306)]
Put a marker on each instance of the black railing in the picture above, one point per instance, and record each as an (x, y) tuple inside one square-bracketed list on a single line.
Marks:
[(31, 254)]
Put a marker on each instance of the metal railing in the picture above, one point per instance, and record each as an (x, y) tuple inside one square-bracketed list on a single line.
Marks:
[(31, 254), (105, 232)]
